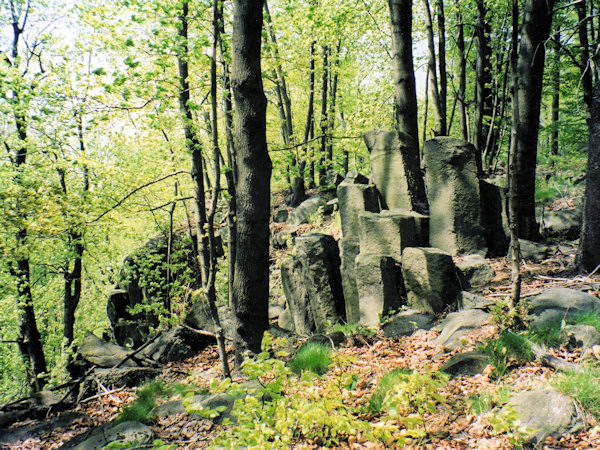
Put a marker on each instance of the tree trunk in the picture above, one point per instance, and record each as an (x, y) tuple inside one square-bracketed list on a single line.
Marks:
[(443, 77), (483, 106), (440, 122), (405, 95), (515, 250), (555, 98), (537, 19), (588, 254), (251, 281), (462, 78), (324, 162)]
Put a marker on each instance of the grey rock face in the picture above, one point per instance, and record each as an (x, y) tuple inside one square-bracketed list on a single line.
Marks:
[(580, 336), (177, 344), (453, 190), (532, 251), (170, 408), (558, 303), (476, 270), (200, 317), (407, 322), (390, 231), (457, 324), (389, 168), (307, 208), (545, 412), (564, 224), (296, 293), (350, 250), (429, 278), (285, 321), (355, 195), (468, 363), (281, 215), (495, 220), (100, 353), (380, 287), (468, 300), (123, 433), (317, 260)]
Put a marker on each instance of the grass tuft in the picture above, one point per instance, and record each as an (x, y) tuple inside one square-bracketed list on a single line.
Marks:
[(508, 346), (583, 386), (311, 357)]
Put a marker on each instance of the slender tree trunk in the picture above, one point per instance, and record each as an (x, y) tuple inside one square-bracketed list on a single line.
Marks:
[(515, 250), (251, 283), (440, 122), (462, 78), (405, 98), (555, 97), (310, 117), (443, 77), (324, 163), (537, 19), (29, 339)]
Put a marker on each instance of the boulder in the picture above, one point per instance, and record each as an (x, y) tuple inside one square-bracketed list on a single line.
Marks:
[(177, 344), (380, 287), (429, 278), (532, 251), (285, 321), (558, 303), (200, 317), (457, 324), (122, 377), (280, 215), (580, 336), (350, 250), (564, 224), (468, 363), (14, 436), (495, 220), (544, 412), (298, 300), (407, 322), (456, 221), (355, 196), (122, 435), (392, 166), (100, 353), (476, 271), (320, 259), (468, 300), (168, 409), (306, 210), (391, 231)]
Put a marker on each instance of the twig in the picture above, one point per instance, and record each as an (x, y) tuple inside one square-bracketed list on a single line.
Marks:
[(205, 333), (93, 397)]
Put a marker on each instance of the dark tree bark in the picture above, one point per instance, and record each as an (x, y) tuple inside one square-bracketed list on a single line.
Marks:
[(588, 254), (204, 221), (443, 77), (555, 96), (324, 161), (405, 95), (251, 281), (537, 19), (515, 250), (483, 94), (29, 340), (440, 120), (309, 127), (462, 78)]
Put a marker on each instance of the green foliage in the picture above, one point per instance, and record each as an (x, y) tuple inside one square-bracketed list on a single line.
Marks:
[(507, 317), (583, 386), (386, 383), (506, 348), (145, 401), (354, 329), (311, 357), (551, 334), (505, 421)]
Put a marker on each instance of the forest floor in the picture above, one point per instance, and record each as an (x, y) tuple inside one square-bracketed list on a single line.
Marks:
[(453, 425)]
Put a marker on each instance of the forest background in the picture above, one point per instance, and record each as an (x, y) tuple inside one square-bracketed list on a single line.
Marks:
[(97, 147)]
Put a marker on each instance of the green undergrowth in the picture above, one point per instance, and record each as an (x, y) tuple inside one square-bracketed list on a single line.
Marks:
[(139, 409), (583, 386), (508, 348), (291, 408), (386, 383), (487, 401)]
